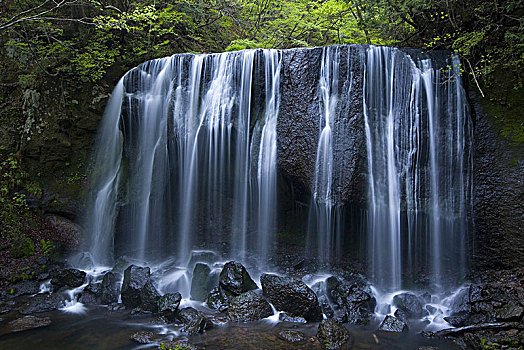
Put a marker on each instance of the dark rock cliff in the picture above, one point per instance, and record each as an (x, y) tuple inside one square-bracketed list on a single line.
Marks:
[(498, 210)]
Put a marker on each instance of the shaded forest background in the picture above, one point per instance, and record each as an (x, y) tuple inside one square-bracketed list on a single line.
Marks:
[(60, 60)]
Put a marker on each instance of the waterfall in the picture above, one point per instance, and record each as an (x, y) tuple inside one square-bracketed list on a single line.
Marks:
[(186, 159), (175, 158), (418, 150), (267, 158)]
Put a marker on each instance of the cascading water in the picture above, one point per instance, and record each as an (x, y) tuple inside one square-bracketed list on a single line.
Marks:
[(187, 159), (174, 162), (334, 86), (419, 153)]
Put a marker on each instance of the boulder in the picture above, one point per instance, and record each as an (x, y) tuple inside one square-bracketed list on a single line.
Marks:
[(168, 305), (291, 295), (248, 306), (200, 282), (410, 304), (285, 317), (292, 336), (193, 321), (43, 303), (487, 302), (109, 289), (135, 278), (69, 277), (333, 335), (177, 344), (217, 300), (235, 280), (88, 298), (351, 299), (393, 324), (28, 322), (143, 337), (401, 315), (149, 297), (187, 315)]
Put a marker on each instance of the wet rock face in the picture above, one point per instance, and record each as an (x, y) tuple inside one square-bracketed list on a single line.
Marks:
[(498, 180), (69, 277), (333, 335), (235, 280), (351, 299), (291, 295), (298, 123), (393, 324), (248, 306), (483, 303)]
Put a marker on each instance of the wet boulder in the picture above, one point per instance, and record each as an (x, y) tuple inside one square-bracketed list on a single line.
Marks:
[(487, 302), (143, 337), (291, 295), (333, 335), (194, 322), (28, 322), (410, 304), (187, 315), (248, 306), (168, 305), (68, 277), (285, 317), (292, 336), (149, 297), (88, 298), (135, 278), (200, 282), (217, 300), (393, 325), (351, 299), (43, 303), (235, 280), (109, 289)]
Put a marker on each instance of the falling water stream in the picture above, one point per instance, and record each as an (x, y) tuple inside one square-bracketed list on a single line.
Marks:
[(187, 162)]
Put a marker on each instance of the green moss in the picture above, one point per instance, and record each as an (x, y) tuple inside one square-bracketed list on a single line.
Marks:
[(503, 101)]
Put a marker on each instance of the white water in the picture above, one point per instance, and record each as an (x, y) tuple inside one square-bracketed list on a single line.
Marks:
[(179, 133), (417, 147), (324, 213), (187, 159)]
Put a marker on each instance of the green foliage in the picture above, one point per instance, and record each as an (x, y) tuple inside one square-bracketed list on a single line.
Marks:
[(47, 247), (241, 44), (163, 346)]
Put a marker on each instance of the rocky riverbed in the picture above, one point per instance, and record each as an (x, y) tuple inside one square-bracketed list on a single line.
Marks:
[(126, 310)]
